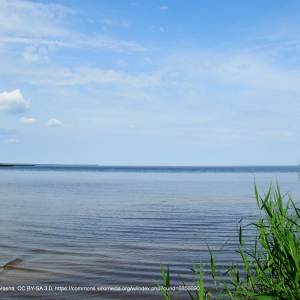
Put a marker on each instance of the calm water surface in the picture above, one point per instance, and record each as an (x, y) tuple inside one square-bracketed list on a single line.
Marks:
[(114, 228)]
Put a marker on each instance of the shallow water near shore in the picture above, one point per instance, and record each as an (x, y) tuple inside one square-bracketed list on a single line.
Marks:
[(114, 228)]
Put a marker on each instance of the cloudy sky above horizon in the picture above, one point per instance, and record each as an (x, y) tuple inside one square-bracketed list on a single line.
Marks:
[(150, 82)]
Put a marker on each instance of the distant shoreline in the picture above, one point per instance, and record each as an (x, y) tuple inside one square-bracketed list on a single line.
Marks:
[(172, 169), (16, 165)]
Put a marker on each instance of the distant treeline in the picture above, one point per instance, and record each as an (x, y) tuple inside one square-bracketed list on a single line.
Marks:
[(14, 165)]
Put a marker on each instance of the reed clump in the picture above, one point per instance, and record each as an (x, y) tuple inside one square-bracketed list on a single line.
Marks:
[(270, 267)]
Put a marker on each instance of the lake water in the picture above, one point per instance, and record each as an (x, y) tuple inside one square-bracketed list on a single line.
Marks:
[(114, 227)]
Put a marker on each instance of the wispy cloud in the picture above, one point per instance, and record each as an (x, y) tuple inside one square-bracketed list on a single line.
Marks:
[(112, 23), (32, 25), (236, 69), (28, 18), (28, 120), (163, 7), (11, 141), (36, 53), (87, 75), (54, 123)]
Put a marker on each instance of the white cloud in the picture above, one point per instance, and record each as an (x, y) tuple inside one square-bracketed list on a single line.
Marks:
[(28, 120), (13, 102), (53, 122)]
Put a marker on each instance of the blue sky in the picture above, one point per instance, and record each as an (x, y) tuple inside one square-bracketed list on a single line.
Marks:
[(150, 82)]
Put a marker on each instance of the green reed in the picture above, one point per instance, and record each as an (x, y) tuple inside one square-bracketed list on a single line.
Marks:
[(270, 267)]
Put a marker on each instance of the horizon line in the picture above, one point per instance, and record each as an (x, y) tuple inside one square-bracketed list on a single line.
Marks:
[(148, 166)]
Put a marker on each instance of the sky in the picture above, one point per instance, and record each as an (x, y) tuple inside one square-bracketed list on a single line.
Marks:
[(143, 82)]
